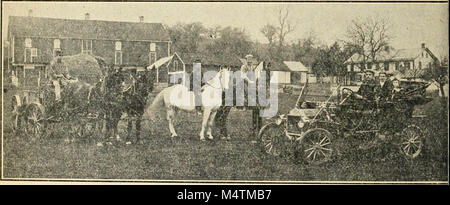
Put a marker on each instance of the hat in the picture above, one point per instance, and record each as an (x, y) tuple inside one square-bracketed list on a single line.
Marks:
[(249, 56), (382, 72), (369, 71)]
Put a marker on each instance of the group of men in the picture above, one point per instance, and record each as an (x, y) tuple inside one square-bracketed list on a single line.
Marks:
[(382, 90)]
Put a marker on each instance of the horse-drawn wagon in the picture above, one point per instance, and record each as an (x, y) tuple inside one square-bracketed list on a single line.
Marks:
[(310, 131), (36, 107)]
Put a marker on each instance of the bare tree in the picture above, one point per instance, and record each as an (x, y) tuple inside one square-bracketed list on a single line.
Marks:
[(269, 31), (369, 37), (285, 27)]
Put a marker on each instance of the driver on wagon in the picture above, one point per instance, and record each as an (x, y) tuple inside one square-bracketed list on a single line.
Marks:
[(59, 74), (367, 89)]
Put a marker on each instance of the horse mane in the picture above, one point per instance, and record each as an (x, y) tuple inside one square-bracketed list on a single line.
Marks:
[(212, 79)]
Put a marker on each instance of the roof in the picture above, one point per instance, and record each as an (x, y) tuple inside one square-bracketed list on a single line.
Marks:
[(296, 66), (207, 59), (87, 29), (277, 66), (394, 55)]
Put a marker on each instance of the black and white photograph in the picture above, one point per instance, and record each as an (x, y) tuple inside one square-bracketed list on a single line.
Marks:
[(225, 92)]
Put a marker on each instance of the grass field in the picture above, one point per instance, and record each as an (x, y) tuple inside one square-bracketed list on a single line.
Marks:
[(187, 158)]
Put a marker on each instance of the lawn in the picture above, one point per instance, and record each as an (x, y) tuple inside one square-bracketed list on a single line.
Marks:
[(187, 158)]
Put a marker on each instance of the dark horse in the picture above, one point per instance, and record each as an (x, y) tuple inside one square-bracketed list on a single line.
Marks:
[(224, 111), (126, 94)]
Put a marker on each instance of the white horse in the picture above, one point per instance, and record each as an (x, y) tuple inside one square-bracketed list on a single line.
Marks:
[(178, 97)]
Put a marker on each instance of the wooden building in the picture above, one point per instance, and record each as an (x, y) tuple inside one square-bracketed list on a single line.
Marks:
[(34, 41)]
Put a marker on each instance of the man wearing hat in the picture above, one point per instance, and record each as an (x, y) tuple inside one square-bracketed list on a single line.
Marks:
[(367, 89), (384, 87), (248, 66)]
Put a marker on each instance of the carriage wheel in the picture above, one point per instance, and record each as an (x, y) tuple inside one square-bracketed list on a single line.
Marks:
[(315, 146), (33, 120), (272, 138), (411, 141)]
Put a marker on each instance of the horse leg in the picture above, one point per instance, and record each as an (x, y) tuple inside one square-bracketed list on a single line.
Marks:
[(206, 114), (210, 124), (129, 129), (138, 128), (170, 115), (256, 122)]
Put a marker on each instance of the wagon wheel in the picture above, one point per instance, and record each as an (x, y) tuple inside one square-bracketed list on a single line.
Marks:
[(34, 120), (315, 147), (411, 141), (272, 138)]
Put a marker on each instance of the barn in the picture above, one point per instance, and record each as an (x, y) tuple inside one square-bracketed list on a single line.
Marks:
[(35, 41)]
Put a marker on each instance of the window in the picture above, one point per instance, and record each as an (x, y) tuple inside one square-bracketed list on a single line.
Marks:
[(352, 67), (56, 44), (396, 65), (86, 46), (56, 47), (426, 55), (422, 54), (28, 43), (118, 46), (152, 57), (420, 65), (118, 57), (407, 65), (152, 47), (386, 66), (175, 66), (29, 54)]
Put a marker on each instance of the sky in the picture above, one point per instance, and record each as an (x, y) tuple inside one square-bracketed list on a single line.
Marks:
[(411, 23)]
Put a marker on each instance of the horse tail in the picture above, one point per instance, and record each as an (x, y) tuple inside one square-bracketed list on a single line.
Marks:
[(150, 111), (158, 101)]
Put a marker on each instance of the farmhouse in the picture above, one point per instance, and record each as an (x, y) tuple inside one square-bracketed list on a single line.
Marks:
[(34, 41), (411, 60)]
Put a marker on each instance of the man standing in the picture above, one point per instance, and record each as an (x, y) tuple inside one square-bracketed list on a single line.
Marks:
[(247, 67)]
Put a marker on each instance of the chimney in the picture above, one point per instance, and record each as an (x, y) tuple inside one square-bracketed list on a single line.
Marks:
[(423, 45), (86, 16), (30, 12), (141, 19)]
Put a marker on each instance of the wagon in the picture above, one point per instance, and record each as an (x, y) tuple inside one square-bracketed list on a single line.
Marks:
[(34, 108), (310, 133)]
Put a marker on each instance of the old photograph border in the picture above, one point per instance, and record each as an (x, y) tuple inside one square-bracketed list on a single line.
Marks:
[(89, 181)]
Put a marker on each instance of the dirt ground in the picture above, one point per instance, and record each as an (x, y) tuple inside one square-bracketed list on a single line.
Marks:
[(187, 158)]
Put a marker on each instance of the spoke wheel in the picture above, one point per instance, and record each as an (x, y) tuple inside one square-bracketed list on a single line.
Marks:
[(316, 146), (34, 120), (272, 138), (411, 141)]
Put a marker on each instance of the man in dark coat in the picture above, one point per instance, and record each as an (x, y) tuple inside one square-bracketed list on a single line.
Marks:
[(385, 87), (367, 89)]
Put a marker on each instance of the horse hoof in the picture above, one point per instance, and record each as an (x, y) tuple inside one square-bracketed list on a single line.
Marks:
[(128, 143), (202, 139), (99, 144)]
